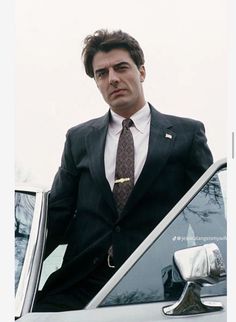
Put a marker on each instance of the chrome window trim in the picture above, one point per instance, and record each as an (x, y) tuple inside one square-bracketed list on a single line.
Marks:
[(130, 262), (38, 258), (29, 256)]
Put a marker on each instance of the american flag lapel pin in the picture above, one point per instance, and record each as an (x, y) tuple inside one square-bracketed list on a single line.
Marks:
[(168, 136)]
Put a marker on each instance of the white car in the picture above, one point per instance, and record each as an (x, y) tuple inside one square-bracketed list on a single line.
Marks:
[(178, 273)]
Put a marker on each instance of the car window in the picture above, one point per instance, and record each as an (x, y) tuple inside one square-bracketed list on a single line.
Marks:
[(202, 221), (52, 263), (24, 209)]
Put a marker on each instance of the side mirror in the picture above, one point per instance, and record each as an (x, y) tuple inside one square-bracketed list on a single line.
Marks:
[(198, 266)]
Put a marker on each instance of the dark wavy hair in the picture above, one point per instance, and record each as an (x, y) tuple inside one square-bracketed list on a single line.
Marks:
[(103, 40)]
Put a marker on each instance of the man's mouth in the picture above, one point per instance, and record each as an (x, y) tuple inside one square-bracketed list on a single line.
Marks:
[(117, 92)]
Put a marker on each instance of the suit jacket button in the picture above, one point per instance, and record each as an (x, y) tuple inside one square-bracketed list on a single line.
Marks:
[(117, 229), (95, 260)]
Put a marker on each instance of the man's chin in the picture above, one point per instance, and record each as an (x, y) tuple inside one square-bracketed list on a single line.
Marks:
[(122, 110), (120, 104)]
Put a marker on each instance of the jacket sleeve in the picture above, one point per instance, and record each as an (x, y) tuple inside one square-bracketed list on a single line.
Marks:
[(199, 157), (62, 199)]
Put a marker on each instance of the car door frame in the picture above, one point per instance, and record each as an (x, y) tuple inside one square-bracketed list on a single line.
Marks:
[(31, 268), (154, 235)]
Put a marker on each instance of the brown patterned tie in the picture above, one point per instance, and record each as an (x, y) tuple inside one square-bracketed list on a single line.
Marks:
[(124, 173)]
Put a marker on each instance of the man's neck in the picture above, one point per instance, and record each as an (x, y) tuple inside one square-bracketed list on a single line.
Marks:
[(128, 112)]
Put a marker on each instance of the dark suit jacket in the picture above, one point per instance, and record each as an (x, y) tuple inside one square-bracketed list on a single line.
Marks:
[(177, 156)]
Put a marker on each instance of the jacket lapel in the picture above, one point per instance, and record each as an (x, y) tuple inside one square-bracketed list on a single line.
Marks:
[(160, 145), (161, 141), (95, 144)]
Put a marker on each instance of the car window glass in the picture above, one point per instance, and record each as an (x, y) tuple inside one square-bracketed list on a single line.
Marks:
[(51, 264), (202, 221), (24, 209)]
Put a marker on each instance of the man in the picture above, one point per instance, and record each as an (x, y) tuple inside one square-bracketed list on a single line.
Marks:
[(117, 179)]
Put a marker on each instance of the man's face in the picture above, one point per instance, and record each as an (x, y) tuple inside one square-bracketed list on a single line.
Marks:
[(119, 81)]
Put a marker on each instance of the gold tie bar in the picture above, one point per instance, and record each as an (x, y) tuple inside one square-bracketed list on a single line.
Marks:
[(122, 180)]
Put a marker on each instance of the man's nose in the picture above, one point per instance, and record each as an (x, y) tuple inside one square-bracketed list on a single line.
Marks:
[(113, 77)]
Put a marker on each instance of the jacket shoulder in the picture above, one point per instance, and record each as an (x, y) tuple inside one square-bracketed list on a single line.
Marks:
[(85, 128), (184, 122), (178, 122)]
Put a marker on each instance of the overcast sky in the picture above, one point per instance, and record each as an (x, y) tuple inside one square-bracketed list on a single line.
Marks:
[(185, 47)]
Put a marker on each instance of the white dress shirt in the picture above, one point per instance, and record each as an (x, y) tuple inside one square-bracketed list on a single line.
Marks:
[(140, 131)]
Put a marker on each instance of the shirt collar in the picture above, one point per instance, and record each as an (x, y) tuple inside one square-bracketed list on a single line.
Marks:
[(141, 119)]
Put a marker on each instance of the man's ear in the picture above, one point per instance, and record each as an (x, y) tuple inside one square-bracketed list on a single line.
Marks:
[(142, 72)]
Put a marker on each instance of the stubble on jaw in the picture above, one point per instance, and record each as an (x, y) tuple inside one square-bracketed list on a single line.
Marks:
[(126, 109)]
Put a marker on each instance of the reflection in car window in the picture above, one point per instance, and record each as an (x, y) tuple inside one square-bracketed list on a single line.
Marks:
[(202, 221), (24, 208)]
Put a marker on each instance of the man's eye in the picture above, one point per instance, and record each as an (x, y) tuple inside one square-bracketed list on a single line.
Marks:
[(122, 67), (101, 73)]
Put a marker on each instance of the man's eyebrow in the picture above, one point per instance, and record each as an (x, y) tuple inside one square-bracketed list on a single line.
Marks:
[(121, 63), (99, 70), (115, 65)]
